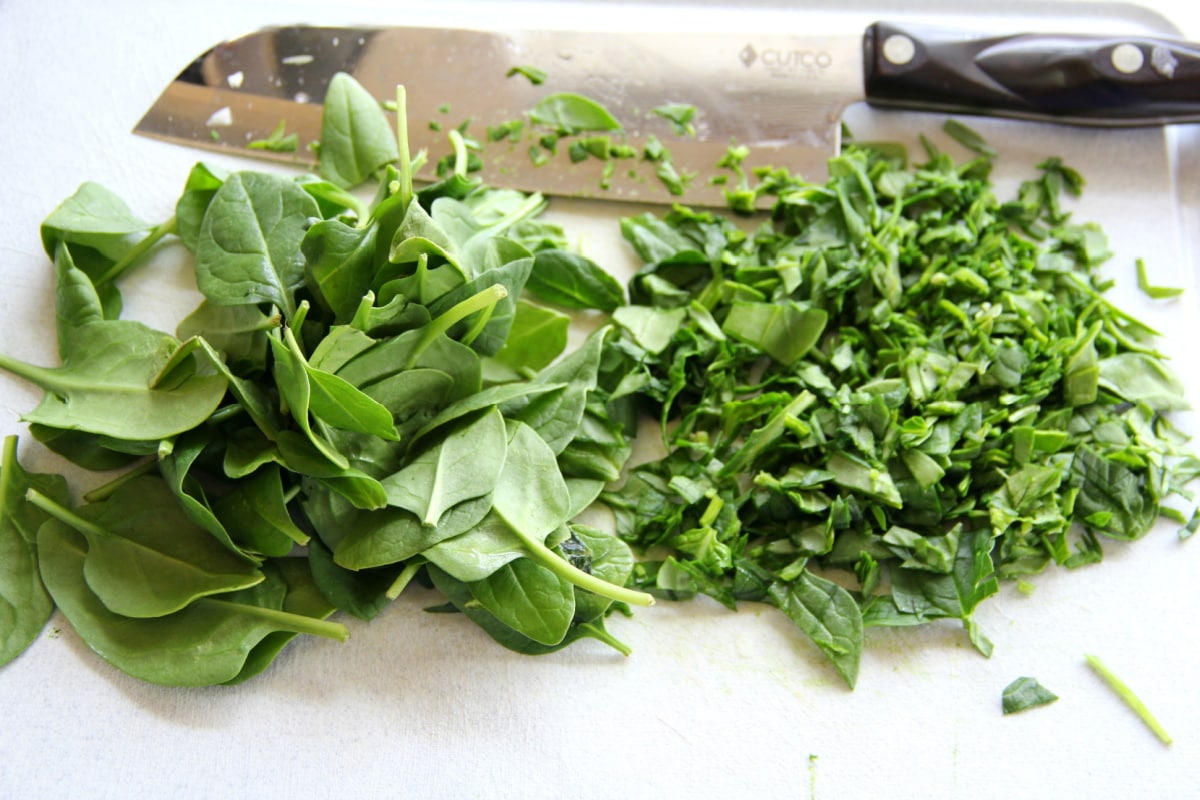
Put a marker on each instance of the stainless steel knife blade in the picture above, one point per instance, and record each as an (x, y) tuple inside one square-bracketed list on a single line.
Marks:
[(781, 95)]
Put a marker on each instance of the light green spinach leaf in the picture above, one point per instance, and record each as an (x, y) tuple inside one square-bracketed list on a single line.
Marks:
[(356, 139), (248, 250)]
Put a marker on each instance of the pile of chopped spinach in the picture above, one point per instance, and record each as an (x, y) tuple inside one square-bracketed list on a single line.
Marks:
[(896, 384), (894, 393)]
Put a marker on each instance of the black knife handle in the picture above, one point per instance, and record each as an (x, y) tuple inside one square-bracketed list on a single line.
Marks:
[(1079, 79)]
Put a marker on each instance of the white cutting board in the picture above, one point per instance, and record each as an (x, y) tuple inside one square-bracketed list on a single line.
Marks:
[(711, 703)]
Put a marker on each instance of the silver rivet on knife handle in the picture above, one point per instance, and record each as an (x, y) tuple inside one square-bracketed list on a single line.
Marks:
[(899, 49), (1127, 58)]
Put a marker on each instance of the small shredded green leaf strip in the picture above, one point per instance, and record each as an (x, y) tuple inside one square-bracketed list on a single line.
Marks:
[(1122, 690)]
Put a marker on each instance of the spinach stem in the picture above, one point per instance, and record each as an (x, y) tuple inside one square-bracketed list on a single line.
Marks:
[(298, 318), (482, 300), (402, 580), (406, 164), (8, 462), (596, 632), (529, 207), (106, 490), (362, 212), (65, 516), (1083, 286), (481, 321), (137, 251), (39, 376), (460, 153), (289, 339), (285, 620), (584, 580), (1126, 694)]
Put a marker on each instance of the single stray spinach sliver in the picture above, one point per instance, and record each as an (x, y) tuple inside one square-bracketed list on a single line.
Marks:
[(1025, 693)]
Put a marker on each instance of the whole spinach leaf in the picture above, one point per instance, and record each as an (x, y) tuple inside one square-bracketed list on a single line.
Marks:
[(356, 139), (478, 552), (487, 330), (340, 261), (462, 599), (175, 461), (301, 598), (392, 535), (237, 332), (574, 281), (530, 494), (362, 594), (528, 598), (248, 250), (202, 183), (87, 450), (210, 641), (25, 605), (556, 415), (141, 532), (96, 225), (290, 371), (602, 554), (256, 512), (106, 384), (463, 465), (537, 337)]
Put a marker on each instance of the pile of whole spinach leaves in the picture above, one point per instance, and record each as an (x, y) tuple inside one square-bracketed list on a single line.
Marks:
[(898, 379), (363, 395)]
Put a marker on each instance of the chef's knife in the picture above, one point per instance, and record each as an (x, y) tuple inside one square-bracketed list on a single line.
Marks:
[(780, 95)]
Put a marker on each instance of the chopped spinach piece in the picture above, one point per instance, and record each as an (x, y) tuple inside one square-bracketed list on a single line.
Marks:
[(679, 115), (1155, 292), (1025, 693), (279, 140), (570, 113), (534, 75)]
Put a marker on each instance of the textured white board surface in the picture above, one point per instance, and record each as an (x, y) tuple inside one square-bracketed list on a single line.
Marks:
[(711, 703)]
